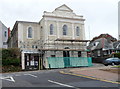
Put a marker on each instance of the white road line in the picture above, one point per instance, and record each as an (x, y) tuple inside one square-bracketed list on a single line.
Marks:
[(17, 75), (31, 75), (12, 79), (9, 78), (61, 84)]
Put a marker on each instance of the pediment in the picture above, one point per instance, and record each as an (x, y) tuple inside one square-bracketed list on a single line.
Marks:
[(64, 8)]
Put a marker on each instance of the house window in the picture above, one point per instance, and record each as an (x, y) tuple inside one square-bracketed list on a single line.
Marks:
[(65, 28), (29, 32), (32, 46), (5, 34), (98, 53), (4, 43), (51, 29), (77, 31)]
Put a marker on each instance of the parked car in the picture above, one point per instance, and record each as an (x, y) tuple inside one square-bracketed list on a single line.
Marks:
[(111, 61)]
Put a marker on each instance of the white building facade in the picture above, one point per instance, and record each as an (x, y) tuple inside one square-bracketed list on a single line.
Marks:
[(59, 33), (3, 35)]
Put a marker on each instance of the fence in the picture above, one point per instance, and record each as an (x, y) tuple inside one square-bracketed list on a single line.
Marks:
[(64, 62)]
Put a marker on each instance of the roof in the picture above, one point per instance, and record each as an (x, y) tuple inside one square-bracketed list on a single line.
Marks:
[(107, 36), (64, 8), (116, 44), (26, 22), (101, 43)]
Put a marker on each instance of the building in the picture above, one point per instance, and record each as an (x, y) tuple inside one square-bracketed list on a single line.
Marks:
[(116, 46), (59, 34), (101, 47), (4, 33)]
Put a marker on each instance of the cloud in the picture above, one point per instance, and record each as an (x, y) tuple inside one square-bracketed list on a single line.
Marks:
[(100, 15)]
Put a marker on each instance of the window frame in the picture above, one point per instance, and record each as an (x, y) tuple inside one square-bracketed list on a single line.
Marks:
[(65, 30), (77, 31), (51, 29), (5, 33), (28, 32)]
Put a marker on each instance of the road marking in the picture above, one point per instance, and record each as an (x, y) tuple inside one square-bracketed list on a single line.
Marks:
[(85, 76), (31, 75), (17, 75), (61, 84), (9, 78)]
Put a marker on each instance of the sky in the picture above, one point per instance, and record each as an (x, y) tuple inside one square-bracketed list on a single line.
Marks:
[(101, 16)]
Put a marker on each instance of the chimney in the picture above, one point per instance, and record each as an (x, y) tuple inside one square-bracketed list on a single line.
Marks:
[(9, 32)]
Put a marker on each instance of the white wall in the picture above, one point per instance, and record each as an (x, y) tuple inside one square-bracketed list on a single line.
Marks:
[(3, 39)]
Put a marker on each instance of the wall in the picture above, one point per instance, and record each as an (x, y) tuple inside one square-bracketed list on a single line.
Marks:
[(3, 39)]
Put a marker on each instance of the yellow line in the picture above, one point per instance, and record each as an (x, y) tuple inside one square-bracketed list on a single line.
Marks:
[(62, 72)]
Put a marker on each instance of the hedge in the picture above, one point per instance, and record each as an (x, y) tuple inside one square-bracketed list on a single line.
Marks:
[(11, 61), (117, 55)]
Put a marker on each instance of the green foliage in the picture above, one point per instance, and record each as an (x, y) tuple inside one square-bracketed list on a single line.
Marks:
[(10, 61), (117, 55), (10, 53)]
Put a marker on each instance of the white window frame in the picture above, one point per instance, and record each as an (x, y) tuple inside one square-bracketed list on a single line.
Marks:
[(65, 30), (32, 32)]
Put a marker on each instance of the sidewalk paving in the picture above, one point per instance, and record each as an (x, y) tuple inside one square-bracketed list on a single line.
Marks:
[(96, 72)]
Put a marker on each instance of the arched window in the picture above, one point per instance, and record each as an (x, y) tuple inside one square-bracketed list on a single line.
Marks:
[(51, 29), (77, 31), (29, 32), (65, 28)]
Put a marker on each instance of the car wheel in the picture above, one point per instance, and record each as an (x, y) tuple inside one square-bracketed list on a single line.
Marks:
[(113, 64)]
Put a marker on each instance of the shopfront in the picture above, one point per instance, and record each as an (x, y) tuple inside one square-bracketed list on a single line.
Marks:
[(31, 61)]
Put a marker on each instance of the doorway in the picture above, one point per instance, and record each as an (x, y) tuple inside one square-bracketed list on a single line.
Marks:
[(66, 55), (31, 61)]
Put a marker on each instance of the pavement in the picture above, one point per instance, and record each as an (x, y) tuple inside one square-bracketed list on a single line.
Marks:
[(96, 72)]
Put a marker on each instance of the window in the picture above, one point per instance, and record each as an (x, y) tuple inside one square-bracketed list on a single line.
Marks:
[(98, 53), (5, 34), (77, 31), (65, 30), (4, 43), (51, 29), (32, 46), (29, 32)]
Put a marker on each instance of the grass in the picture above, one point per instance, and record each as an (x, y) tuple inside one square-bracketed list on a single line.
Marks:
[(117, 66)]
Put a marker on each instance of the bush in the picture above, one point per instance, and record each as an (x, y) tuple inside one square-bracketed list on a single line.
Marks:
[(11, 52), (117, 55), (11, 68), (11, 61)]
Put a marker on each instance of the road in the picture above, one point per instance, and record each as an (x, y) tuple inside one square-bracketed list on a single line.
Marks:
[(51, 78)]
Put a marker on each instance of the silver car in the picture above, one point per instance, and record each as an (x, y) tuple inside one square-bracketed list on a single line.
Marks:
[(111, 61)]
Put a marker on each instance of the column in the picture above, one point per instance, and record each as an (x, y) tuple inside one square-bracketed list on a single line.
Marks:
[(58, 34), (73, 31), (23, 60), (46, 31)]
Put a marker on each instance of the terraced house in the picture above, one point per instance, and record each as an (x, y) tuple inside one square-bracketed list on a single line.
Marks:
[(56, 41)]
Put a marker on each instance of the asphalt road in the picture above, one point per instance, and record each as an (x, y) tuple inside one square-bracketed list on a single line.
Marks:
[(53, 79)]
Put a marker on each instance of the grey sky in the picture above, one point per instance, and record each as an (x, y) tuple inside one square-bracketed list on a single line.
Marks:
[(101, 15)]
